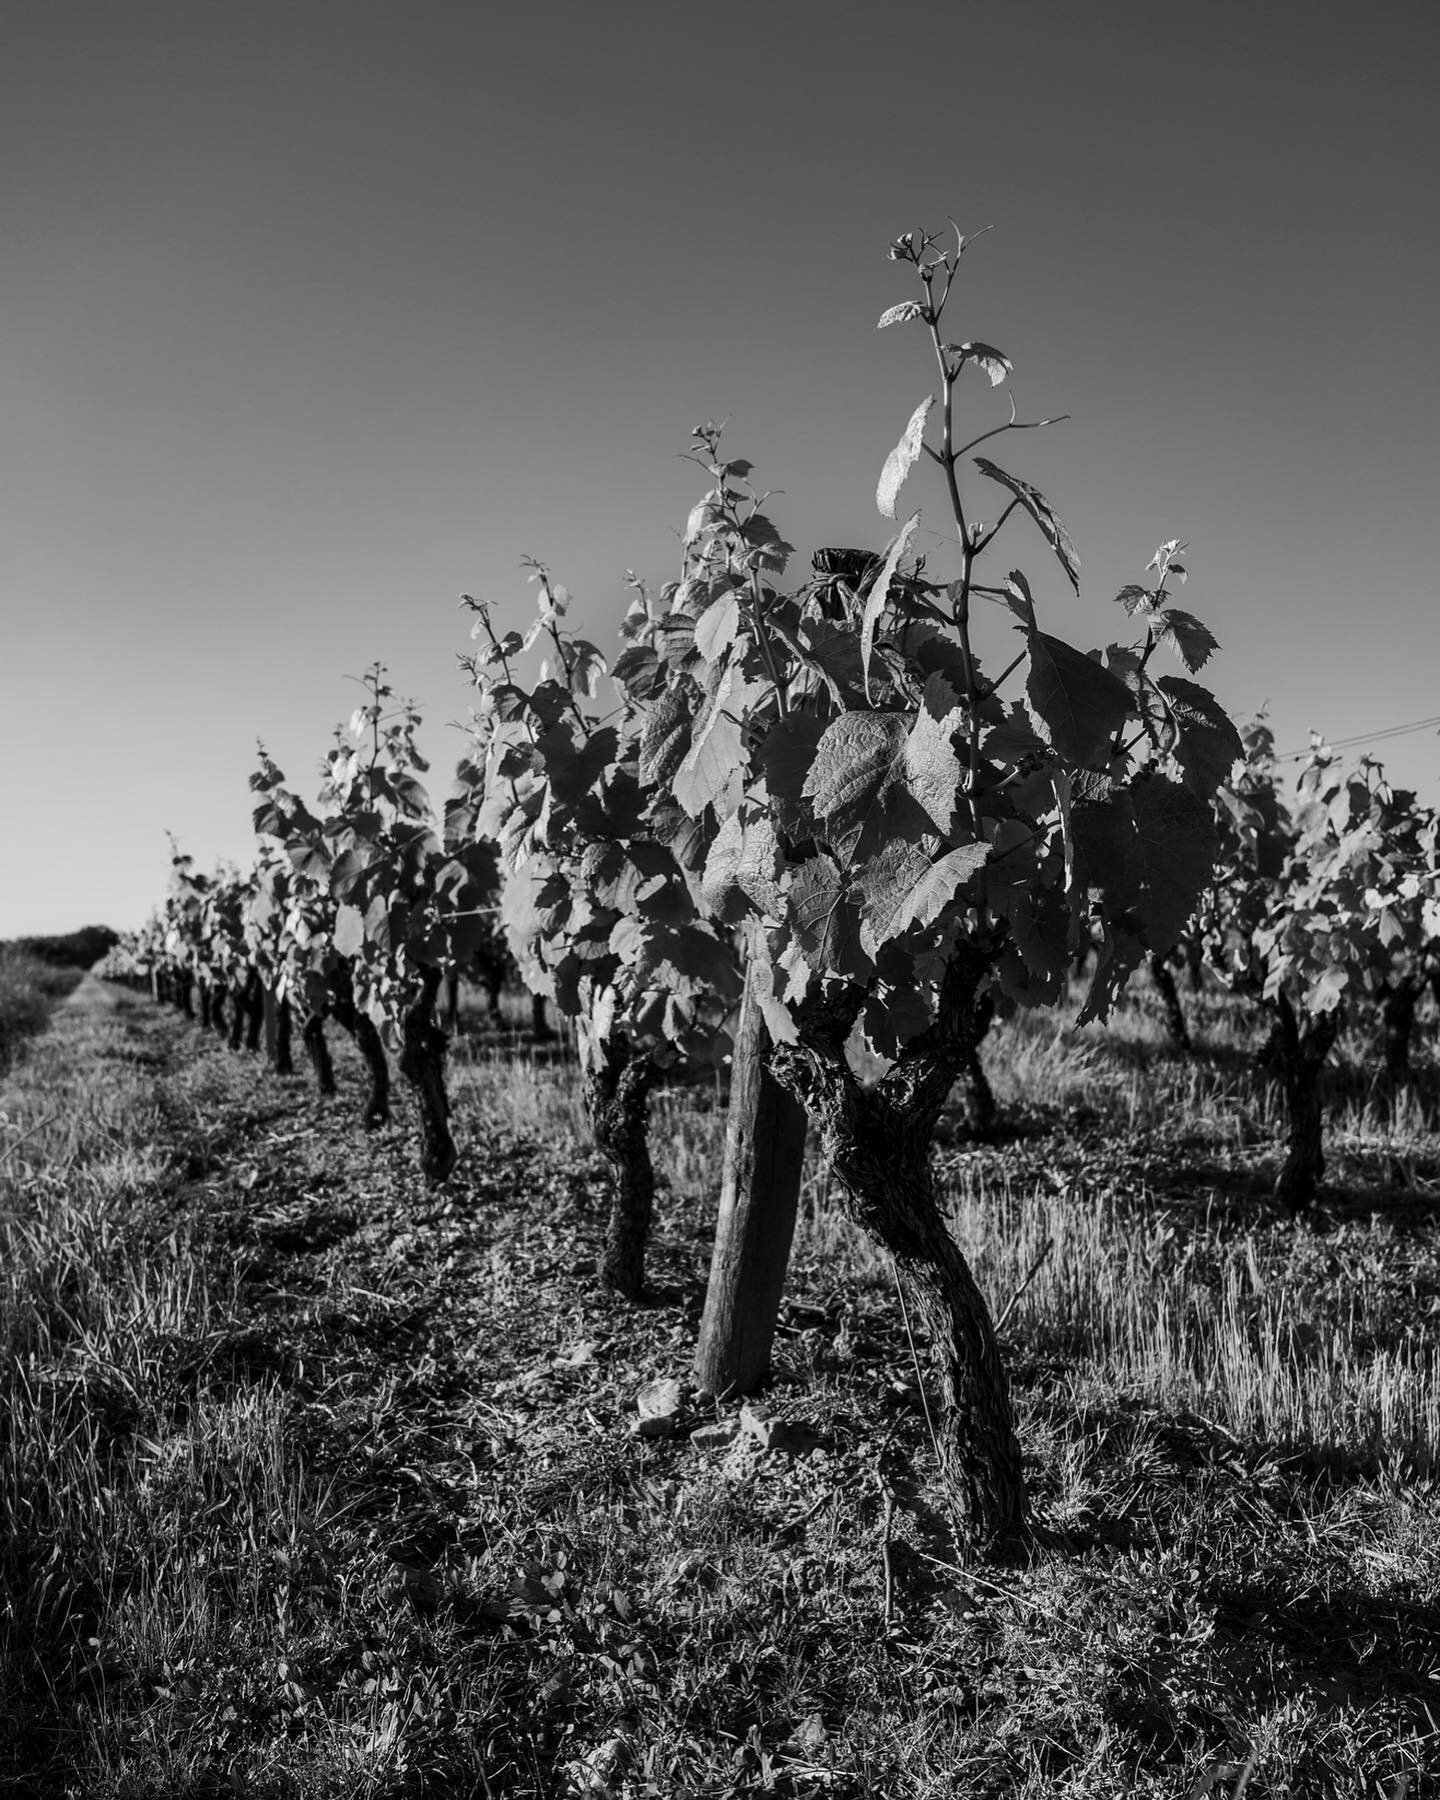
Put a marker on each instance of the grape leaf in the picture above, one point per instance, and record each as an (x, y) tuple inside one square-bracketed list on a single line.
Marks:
[(665, 738), (713, 758), (901, 887), (348, 932), (758, 869), (935, 889), (716, 629), (821, 917), (1041, 511), (902, 459), (1206, 744), (1191, 641), (932, 769), (900, 315), (722, 867), (884, 883), (1149, 849), (787, 756), (879, 592), (856, 759), (995, 365), (1081, 703)]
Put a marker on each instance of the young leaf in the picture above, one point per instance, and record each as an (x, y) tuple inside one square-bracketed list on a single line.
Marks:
[(1081, 703), (879, 592), (1041, 511), (995, 365), (1191, 641), (902, 459), (901, 314)]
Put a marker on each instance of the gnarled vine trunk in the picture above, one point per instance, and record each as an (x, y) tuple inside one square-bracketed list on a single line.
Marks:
[(282, 1053), (977, 1096), (422, 1063), (1397, 1011), (877, 1143), (207, 1009), (371, 1046), (540, 1027), (235, 1037), (452, 1001), (313, 1034), (494, 982), (254, 1011), (1300, 1053), (617, 1098), (1164, 978)]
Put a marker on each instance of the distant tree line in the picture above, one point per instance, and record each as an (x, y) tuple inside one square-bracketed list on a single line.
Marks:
[(75, 950)]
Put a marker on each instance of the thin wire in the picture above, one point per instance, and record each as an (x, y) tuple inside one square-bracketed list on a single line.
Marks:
[(1366, 737)]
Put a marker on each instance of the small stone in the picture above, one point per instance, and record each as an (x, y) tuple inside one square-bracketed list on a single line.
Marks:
[(658, 1404), (715, 1436), (766, 1427)]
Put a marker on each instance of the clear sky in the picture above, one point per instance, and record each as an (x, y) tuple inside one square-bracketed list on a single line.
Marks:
[(315, 315)]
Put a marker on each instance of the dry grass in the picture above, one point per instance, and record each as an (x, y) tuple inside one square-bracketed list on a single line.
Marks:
[(311, 1484)]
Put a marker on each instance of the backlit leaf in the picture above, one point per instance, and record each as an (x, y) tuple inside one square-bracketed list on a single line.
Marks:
[(900, 315), (932, 769), (984, 356), (936, 888), (665, 738), (1080, 702), (902, 459), (820, 914), (1191, 641), (716, 629), (857, 757)]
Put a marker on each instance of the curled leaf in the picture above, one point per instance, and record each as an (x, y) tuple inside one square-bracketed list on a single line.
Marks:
[(1044, 515), (879, 589), (996, 365), (900, 315)]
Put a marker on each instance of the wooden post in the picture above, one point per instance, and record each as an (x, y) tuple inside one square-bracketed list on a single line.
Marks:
[(759, 1197)]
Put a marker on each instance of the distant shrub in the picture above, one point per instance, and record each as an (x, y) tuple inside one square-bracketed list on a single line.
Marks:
[(30, 987), (75, 950)]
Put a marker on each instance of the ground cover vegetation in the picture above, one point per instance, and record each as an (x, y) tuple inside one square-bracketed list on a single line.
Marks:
[(817, 880), (317, 1481), (30, 987)]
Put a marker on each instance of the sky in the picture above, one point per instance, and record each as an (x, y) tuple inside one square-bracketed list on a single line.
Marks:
[(314, 316)]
